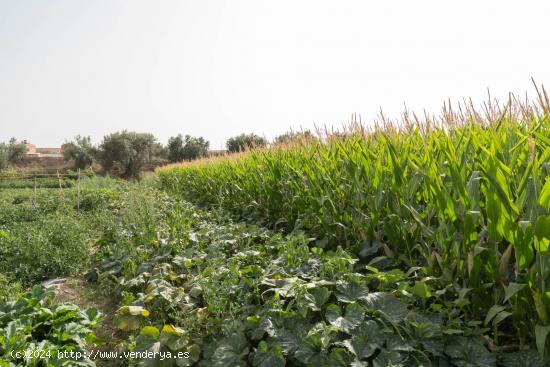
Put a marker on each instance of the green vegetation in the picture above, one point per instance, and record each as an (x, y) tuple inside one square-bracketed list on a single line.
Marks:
[(8, 289), (34, 331), (244, 142), (29, 178), (127, 152), (186, 149), (294, 137), (50, 240), (413, 247), (11, 153), (468, 205), (81, 151), (123, 154), (42, 182), (233, 294)]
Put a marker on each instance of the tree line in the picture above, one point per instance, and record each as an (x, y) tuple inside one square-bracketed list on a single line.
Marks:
[(127, 153)]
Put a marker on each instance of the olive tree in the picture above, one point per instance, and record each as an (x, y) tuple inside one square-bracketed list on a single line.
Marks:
[(188, 148), (11, 152), (130, 150), (243, 142), (80, 150), (16, 150), (294, 137)]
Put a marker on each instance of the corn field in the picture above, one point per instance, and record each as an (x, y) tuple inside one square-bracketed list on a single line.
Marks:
[(465, 197)]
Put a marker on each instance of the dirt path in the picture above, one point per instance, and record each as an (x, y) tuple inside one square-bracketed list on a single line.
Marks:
[(87, 295)]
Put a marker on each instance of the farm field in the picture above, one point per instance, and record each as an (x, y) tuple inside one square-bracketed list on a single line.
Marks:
[(424, 248)]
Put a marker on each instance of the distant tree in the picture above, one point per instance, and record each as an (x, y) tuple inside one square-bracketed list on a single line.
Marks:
[(175, 148), (80, 150), (186, 149), (16, 150), (195, 148), (160, 151), (4, 156), (244, 142), (12, 152), (294, 136), (131, 150)]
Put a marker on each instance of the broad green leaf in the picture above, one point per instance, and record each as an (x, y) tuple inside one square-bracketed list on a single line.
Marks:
[(386, 277), (466, 352), (540, 306), (421, 289), (523, 247), (339, 357), (264, 356), (493, 311), (500, 317), (522, 358), (170, 329), (541, 332), (173, 338), (399, 344), (387, 304), (350, 291), (287, 340), (316, 298), (147, 342), (231, 351), (497, 174), (194, 355), (128, 322), (93, 313), (366, 340), (151, 331), (353, 316), (283, 286), (544, 199), (542, 234), (310, 354), (512, 289), (388, 358), (369, 248)]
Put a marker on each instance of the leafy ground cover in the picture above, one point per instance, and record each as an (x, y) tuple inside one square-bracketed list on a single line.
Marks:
[(236, 294), (35, 331), (50, 240)]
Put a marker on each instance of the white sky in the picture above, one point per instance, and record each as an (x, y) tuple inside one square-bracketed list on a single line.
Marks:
[(219, 68)]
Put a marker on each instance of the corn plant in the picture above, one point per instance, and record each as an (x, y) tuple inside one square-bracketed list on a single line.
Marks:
[(465, 197)]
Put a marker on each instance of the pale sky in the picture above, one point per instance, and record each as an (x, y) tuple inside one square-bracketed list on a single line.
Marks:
[(218, 68)]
